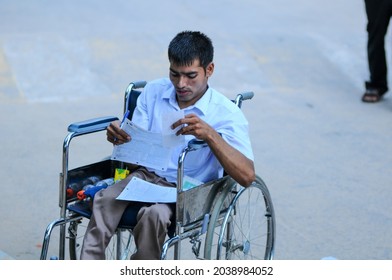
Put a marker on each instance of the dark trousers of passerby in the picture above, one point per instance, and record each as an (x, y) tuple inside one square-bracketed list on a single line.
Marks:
[(378, 13)]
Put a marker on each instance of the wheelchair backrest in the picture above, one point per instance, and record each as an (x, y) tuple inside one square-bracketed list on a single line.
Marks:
[(131, 95)]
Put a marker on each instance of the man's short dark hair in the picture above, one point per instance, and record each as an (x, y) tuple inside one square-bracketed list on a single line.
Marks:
[(190, 45)]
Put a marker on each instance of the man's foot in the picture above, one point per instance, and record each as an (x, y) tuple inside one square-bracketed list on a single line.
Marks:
[(372, 95)]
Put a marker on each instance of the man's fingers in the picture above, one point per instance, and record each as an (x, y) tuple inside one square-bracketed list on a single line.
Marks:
[(116, 135), (186, 121)]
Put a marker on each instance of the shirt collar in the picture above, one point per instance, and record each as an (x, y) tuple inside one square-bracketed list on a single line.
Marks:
[(201, 105)]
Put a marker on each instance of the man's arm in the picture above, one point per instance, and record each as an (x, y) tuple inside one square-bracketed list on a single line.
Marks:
[(238, 166)]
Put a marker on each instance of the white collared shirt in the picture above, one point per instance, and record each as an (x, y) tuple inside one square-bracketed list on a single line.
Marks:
[(159, 98)]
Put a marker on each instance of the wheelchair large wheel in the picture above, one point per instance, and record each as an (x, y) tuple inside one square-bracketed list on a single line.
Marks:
[(246, 229), (121, 246)]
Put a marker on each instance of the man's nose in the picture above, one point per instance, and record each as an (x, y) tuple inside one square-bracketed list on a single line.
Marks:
[(182, 81)]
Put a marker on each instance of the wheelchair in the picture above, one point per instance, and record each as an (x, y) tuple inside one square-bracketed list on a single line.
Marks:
[(222, 220)]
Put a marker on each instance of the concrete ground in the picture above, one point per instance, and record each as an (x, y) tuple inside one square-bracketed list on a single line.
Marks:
[(325, 155)]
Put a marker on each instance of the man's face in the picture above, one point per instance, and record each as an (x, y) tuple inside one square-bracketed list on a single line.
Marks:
[(190, 82)]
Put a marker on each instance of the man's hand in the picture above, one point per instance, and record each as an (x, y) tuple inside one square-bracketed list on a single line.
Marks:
[(116, 135), (193, 125)]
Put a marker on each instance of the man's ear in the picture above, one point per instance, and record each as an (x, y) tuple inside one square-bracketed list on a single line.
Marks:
[(210, 69)]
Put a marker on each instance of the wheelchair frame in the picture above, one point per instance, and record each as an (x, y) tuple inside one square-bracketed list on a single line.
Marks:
[(207, 214)]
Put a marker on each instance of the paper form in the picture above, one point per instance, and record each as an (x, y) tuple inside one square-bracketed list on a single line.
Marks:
[(143, 191), (147, 148)]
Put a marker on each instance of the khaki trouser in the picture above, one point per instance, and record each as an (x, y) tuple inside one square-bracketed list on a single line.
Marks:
[(149, 232)]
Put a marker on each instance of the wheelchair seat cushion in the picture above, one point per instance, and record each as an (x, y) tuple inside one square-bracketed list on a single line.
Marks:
[(128, 219)]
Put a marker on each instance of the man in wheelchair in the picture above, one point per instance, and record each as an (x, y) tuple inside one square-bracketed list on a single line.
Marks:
[(208, 116)]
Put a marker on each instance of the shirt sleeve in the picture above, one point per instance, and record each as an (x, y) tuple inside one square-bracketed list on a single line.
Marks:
[(235, 132), (140, 115)]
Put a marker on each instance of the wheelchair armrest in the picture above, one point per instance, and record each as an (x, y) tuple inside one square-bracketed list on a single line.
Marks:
[(92, 125), (196, 144)]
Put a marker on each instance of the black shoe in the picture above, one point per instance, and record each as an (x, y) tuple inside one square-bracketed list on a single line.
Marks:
[(372, 95)]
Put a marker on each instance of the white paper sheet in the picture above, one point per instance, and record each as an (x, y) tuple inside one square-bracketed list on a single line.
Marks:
[(170, 138), (143, 191), (147, 148)]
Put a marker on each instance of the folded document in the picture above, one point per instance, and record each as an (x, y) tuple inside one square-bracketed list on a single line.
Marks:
[(143, 191)]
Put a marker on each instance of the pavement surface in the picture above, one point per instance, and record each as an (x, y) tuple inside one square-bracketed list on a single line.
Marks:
[(325, 155)]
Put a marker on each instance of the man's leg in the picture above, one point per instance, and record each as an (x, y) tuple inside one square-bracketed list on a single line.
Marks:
[(107, 212), (150, 231), (378, 14)]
